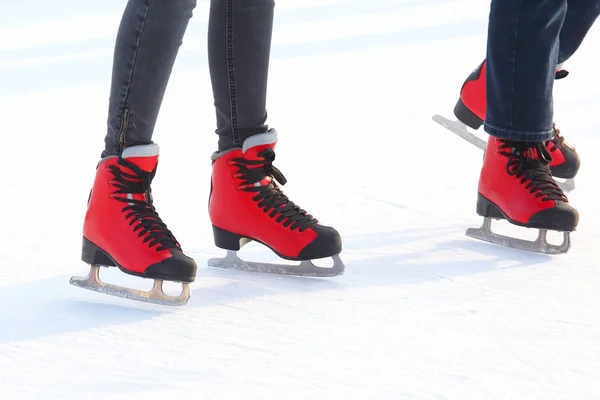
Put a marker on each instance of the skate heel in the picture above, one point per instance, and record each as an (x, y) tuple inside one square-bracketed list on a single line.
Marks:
[(487, 209), (93, 255), (466, 116), (228, 240)]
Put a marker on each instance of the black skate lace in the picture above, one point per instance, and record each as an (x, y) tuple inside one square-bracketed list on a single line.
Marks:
[(561, 74), (142, 215), (533, 173), (270, 197), (557, 140)]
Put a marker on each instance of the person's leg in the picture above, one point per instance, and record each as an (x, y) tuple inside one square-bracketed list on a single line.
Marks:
[(470, 109), (239, 51), (148, 40), (581, 16), (122, 227), (522, 54), (245, 201), (515, 181)]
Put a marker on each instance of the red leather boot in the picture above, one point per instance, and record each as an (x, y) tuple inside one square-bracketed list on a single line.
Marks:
[(123, 229), (246, 204)]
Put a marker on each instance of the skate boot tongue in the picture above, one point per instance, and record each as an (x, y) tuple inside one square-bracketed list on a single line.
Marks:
[(260, 151), (529, 162), (139, 167), (145, 157), (256, 144)]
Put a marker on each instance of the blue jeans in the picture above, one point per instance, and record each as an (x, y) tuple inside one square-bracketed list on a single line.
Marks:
[(527, 39), (148, 40)]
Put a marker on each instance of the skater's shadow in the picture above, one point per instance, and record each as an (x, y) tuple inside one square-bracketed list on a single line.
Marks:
[(52, 307), (377, 269), (437, 263)]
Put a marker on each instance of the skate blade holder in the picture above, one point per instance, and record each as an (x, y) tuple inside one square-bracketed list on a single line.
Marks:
[(156, 295), (305, 268), (460, 129), (540, 245)]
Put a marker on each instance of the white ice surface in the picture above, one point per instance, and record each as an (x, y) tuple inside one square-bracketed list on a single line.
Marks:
[(423, 312)]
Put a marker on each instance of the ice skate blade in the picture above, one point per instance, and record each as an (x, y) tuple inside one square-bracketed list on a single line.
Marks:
[(461, 130), (540, 245), (568, 185), (305, 268), (155, 295)]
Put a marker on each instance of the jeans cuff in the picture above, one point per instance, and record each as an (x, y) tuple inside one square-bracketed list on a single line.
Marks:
[(521, 136)]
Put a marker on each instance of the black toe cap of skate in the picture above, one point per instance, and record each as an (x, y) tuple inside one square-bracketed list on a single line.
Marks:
[(179, 268), (327, 244), (570, 167), (562, 218)]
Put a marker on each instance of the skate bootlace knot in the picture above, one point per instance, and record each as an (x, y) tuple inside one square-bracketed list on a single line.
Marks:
[(259, 176), (529, 162), (140, 211), (557, 140)]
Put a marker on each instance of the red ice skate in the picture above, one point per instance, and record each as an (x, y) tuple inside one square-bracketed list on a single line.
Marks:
[(471, 108), (516, 184), (247, 204), (123, 229)]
